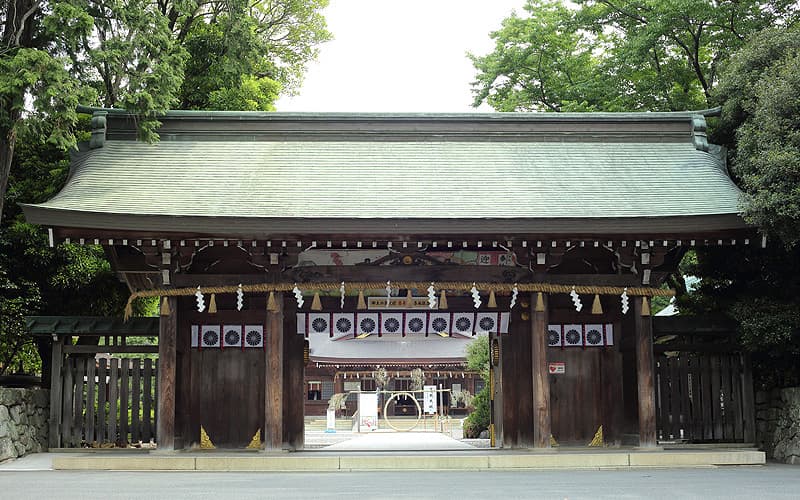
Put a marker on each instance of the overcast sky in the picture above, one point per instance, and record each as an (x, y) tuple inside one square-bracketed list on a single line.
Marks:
[(400, 55)]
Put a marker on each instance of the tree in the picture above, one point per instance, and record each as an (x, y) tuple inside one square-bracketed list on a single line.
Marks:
[(760, 92), (478, 360), (143, 55), (597, 55)]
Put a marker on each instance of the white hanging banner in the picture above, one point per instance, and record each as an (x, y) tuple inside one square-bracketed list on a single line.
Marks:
[(554, 337), (210, 336), (391, 323), (231, 336), (608, 334), (463, 323), (487, 322), (416, 323), (319, 323), (195, 335), (343, 325), (301, 324), (367, 323), (594, 335), (439, 323), (573, 335), (505, 319), (253, 336)]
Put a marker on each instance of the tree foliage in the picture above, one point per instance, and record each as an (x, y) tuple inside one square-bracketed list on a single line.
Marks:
[(478, 360), (761, 95), (142, 55), (596, 55), (662, 55)]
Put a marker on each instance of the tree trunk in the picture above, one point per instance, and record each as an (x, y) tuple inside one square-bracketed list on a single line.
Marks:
[(18, 30), (6, 157)]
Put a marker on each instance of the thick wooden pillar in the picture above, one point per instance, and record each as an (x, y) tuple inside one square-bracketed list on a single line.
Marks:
[(643, 325), (56, 388), (294, 395), (273, 381), (517, 401), (540, 372), (167, 339)]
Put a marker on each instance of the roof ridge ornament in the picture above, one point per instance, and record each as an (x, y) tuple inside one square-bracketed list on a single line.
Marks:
[(98, 138), (699, 135)]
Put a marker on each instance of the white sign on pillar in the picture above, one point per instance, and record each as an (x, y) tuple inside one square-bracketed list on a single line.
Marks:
[(429, 399)]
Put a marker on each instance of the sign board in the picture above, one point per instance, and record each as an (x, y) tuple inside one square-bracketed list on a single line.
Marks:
[(367, 411), (331, 421), (557, 367), (429, 399), (381, 303)]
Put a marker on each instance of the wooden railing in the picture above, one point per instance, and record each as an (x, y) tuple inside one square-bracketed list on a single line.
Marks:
[(102, 396), (705, 397)]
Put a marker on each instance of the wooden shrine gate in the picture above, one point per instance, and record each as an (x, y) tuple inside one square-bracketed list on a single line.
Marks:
[(704, 390)]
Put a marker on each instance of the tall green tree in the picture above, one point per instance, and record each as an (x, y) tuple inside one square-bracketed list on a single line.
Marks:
[(143, 55), (626, 55)]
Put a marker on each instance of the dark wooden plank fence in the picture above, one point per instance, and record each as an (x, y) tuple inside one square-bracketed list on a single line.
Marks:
[(705, 397), (107, 403)]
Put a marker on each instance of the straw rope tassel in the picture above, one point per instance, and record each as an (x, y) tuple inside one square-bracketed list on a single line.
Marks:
[(129, 308), (443, 300), (645, 307), (539, 302), (212, 304), (316, 304), (492, 303), (165, 307), (362, 304), (409, 299), (597, 307), (272, 304)]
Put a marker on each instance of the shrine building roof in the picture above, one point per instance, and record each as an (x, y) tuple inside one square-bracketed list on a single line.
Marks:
[(256, 174)]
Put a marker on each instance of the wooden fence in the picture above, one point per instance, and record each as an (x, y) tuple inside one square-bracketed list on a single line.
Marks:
[(705, 397), (106, 402)]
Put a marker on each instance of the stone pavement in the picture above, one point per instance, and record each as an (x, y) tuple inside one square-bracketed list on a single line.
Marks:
[(389, 441)]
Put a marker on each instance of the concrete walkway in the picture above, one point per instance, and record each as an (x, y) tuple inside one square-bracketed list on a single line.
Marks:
[(463, 459), (390, 441)]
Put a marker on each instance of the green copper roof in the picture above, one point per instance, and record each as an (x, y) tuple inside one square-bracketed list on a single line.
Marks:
[(423, 175)]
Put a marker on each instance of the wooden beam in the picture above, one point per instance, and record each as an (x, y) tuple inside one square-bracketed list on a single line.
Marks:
[(336, 274), (540, 373), (116, 349), (273, 400), (167, 360), (56, 388), (644, 375)]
